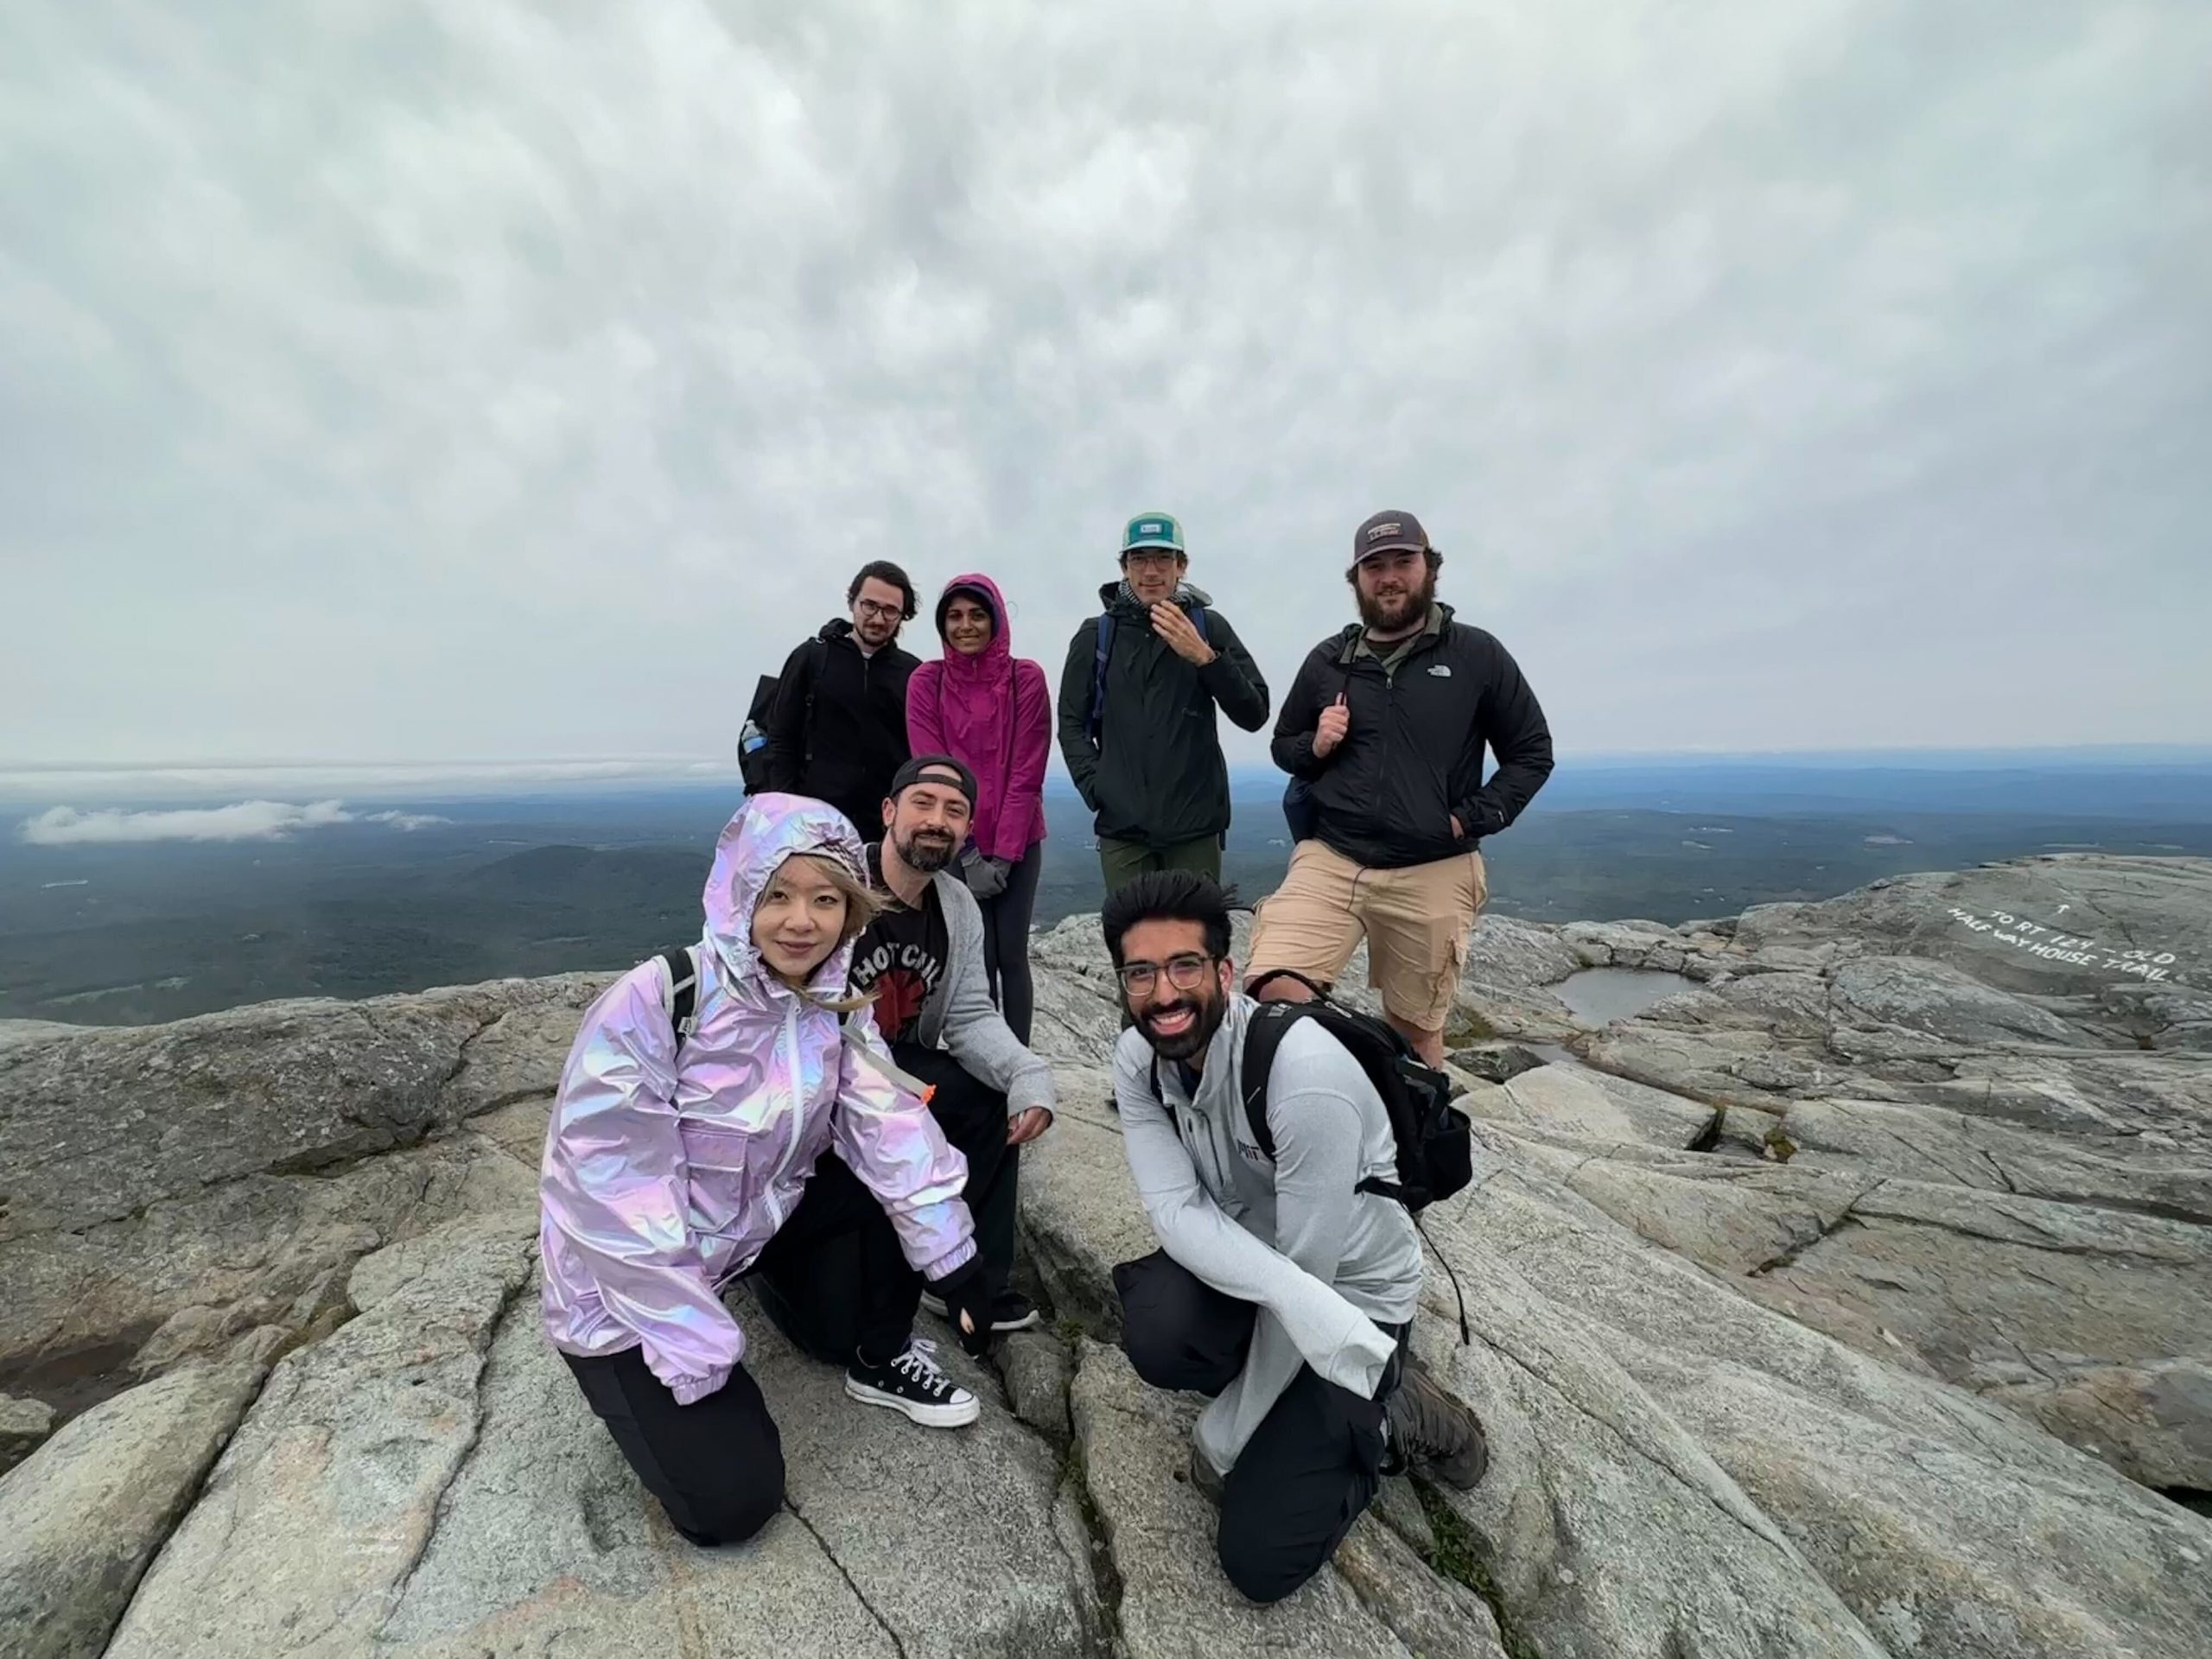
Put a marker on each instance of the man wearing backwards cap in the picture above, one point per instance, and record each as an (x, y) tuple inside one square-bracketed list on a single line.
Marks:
[(922, 959), (1386, 725)]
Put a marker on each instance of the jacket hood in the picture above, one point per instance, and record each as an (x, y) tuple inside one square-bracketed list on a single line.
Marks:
[(992, 661), (838, 627), (1109, 595), (752, 846)]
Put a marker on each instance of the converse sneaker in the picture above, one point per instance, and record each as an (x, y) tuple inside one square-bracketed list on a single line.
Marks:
[(912, 1383), (1012, 1311), (1422, 1424)]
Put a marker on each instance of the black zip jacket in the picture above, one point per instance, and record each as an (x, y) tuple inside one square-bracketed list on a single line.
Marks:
[(1412, 757), (838, 729), (1156, 775)]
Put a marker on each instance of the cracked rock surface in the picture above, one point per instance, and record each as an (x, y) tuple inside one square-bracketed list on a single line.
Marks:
[(1853, 1301)]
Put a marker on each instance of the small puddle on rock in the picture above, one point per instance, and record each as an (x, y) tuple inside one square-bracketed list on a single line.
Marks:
[(74, 1380), (1599, 996)]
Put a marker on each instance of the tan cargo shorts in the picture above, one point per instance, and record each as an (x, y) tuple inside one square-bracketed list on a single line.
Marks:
[(1416, 921)]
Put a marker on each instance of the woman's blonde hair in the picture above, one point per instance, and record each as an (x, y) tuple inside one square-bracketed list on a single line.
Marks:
[(863, 904)]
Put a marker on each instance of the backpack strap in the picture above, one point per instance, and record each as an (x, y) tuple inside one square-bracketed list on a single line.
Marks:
[(1263, 1034), (818, 665), (679, 992), (1102, 653)]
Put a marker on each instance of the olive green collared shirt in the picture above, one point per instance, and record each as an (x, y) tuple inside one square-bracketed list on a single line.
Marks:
[(1398, 649)]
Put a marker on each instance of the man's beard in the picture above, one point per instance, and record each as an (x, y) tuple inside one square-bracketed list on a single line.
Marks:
[(1209, 1007), (1393, 613), (926, 851)]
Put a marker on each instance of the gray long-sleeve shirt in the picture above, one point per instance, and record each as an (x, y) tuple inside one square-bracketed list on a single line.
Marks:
[(1325, 1263), (960, 1018)]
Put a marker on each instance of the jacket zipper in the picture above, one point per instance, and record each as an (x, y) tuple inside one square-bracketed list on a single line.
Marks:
[(791, 1070)]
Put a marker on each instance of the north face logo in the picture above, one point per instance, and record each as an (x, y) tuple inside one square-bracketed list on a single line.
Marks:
[(1380, 531)]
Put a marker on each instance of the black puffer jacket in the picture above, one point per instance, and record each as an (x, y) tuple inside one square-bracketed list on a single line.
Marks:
[(1413, 756), (838, 728), (1155, 775)]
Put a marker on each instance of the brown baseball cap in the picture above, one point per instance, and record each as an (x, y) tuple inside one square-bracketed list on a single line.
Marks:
[(1389, 531)]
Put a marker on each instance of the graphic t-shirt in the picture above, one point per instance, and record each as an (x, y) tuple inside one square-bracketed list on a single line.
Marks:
[(899, 959)]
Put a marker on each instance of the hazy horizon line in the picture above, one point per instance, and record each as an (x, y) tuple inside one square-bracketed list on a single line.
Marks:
[(697, 763), (95, 781)]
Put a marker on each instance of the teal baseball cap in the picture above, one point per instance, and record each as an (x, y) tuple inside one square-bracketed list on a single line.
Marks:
[(1152, 530)]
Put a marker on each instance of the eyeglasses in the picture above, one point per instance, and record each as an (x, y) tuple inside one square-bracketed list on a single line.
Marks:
[(1185, 973), (879, 612)]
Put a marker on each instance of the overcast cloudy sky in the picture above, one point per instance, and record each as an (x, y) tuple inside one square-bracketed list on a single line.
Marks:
[(392, 382)]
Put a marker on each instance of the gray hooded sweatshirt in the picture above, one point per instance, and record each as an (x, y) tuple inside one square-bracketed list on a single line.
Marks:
[(960, 1019), (1325, 1263)]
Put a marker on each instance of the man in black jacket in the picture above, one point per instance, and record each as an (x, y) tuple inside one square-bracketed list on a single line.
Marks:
[(837, 730), (1137, 726), (1385, 726)]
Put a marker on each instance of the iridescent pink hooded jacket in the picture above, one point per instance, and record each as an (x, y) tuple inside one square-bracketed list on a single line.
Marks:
[(662, 1181), (994, 713)]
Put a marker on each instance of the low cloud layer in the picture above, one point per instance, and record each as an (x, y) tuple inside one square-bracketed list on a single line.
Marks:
[(67, 826), (467, 381)]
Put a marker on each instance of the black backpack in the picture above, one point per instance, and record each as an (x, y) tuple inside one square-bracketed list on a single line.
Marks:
[(752, 741), (1436, 1144), (1436, 1155)]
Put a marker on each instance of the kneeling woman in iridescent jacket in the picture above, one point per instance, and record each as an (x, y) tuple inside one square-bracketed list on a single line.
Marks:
[(775, 1124)]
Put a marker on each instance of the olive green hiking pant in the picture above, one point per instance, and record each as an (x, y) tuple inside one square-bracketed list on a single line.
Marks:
[(1124, 861)]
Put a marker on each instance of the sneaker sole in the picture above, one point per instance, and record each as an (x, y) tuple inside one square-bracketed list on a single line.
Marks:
[(955, 1416)]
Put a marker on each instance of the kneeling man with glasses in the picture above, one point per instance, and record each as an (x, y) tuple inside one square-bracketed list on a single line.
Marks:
[(1279, 1288)]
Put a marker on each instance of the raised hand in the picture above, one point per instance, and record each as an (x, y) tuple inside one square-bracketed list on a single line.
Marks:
[(1180, 633), (1336, 721)]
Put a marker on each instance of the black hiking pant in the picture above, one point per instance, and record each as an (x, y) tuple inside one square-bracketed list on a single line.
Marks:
[(717, 1464), (1313, 1465), (815, 1296), (1006, 943)]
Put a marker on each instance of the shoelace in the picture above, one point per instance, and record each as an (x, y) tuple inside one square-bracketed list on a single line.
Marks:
[(919, 1361)]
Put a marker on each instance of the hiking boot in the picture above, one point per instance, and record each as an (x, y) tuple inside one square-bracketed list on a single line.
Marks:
[(1422, 1424), (1010, 1311), (1205, 1476), (911, 1383)]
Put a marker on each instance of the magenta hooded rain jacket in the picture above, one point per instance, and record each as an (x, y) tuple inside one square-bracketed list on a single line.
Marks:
[(994, 713)]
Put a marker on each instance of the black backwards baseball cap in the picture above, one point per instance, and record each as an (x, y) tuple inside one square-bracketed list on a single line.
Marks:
[(922, 766), (1389, 531)]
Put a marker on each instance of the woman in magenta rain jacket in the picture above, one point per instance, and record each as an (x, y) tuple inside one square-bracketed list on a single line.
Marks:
[(994, 712)]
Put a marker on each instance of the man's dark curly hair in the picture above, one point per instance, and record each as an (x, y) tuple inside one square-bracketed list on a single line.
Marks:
[(884, 571), (1167, 895)]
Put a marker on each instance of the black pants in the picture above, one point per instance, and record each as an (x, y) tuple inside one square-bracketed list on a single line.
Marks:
[(817, 1294), (717, 1464), (1006, 943), (1310, 1468)]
